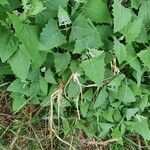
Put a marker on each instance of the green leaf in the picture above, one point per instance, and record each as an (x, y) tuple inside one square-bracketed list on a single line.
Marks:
[(31, 43), (20, 63), (131, 112), (121, 15), (94, 69), (4, 2), (91, 41), (97, 11), (51, 36), (101, 99), (63, 17), (66, 127), (81, 27), (136, 3), (140, 127), (61, 61), (84, 106), (144, 55), (125, 94), (132, 30), (8, 44), (120, 51), (49, 77), (43, 86), (144, 11), (36, 7), (18, 103)]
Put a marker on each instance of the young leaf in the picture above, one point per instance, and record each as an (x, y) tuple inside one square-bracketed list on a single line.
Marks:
[(8, 44), (63, 17), (20, 63), (144, 55), (121, 15), (49, 77), (120, 51), (97, 11), (43, 86), (94, 69), (51, 36)]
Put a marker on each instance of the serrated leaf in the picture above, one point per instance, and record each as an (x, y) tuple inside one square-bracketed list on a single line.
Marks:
[(63, 17), (144, 55), (61, 61), (101, 98), (125, 94), (51, 36), (36, 7), (140, 127), (97, 11), (144, 11), (20, 63), (120, 51), (132, 30), (94, 69), (8, 44), (91, 41), (81, 27), (121, 15)]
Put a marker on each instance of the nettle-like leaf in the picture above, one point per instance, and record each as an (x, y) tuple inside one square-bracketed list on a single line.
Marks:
[(36, 7), (144, 11), (51, 36), (92, 41), (20, 63), (132, 30), (121, 15), (8, 44), (81, 27), (62, 61), (63, 17), (144, 55), (120, 51), (97, 11), (94, 69)]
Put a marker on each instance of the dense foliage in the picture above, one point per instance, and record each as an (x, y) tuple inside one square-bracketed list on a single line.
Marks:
[(87, 60)]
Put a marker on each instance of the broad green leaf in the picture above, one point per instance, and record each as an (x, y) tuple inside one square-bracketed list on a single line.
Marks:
[(91, 41), (62, 61), (84, 106), (94, 69), (20, 63), (115, 83), (144, 55), (63, 17), (81, 27), (49, 77), (125, 94), (18, 103), (51, 36), (136, 3), (144, 11), (120, 51), (131, 112), (143, 102), (8, 44), (140, 127), (36, 7), (66, 127), (108, 114), (101, 99), (122, 15), (97, 11), (28, 36), (43, 86), (117, 134), (132, 30)]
